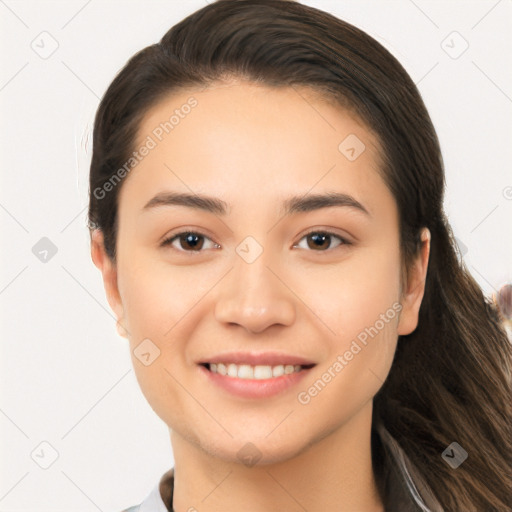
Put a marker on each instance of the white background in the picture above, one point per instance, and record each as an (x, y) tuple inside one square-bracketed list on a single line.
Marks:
[(66, 375)]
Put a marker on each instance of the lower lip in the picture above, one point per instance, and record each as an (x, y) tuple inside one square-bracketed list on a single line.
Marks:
[(255, 388)]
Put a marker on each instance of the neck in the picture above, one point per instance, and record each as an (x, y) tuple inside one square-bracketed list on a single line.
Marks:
[(333, 473)]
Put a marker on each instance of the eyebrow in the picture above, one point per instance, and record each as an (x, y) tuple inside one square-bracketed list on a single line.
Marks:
[(294, 204)]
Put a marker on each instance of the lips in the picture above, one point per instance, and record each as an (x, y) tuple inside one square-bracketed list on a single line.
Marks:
[(255, 375)]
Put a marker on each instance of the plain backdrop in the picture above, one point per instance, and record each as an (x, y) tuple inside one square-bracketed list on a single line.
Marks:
[(69, 398)]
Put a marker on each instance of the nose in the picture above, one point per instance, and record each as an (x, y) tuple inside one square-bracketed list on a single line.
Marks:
[(255, 296)]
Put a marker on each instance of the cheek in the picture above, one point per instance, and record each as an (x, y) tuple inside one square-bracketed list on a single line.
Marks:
[(352, 294), (156, 297), (161, 306), (363, 313), (153, 311), (372, 315), (359, 302)]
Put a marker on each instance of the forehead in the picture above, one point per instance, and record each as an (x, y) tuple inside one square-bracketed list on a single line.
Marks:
[(245, 141)]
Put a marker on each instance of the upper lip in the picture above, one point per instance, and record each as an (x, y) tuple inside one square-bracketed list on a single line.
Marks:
[(258, 358)]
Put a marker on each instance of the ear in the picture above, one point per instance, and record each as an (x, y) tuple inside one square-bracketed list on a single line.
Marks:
[(414, 289), (109, 273)]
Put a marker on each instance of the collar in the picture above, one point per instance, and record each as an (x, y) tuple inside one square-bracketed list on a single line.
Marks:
[(402, 487)]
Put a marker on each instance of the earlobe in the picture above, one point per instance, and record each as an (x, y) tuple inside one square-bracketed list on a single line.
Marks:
[(121, 330), (109, 274), (415, 288)]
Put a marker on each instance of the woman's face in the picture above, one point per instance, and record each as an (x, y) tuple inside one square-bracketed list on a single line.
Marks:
[(258, 281)]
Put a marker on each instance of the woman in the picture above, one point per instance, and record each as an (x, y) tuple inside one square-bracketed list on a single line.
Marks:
[(267, 204)]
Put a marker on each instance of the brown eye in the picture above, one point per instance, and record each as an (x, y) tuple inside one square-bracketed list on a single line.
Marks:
[(188, 241), (320, 241)]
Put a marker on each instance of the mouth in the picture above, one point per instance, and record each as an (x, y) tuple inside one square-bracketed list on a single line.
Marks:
[(254, 372), (253, 376)]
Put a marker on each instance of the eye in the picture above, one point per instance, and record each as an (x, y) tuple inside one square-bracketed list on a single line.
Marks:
[(193, 241), (322, 240), (190, 241)]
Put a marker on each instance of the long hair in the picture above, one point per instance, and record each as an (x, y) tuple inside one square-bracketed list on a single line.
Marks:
[(451, 378)]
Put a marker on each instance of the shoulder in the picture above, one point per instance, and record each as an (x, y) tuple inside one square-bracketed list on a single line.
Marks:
[(160, 495)]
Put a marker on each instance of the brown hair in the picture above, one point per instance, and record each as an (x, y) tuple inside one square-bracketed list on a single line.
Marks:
[(451, 378)]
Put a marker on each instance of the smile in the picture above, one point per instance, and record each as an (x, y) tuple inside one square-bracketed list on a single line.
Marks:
[(258, 372), (253, 381)]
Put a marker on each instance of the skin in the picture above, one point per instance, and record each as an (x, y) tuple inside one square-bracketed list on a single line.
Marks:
[(254, 146)]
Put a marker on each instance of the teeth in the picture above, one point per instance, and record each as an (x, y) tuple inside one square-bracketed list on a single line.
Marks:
[(277, 371), (261, 372), (246, 371)]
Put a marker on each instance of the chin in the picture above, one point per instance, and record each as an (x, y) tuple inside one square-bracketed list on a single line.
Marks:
[(255, 451)]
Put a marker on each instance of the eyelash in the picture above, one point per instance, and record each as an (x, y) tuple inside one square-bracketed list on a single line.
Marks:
[(343, 241)]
